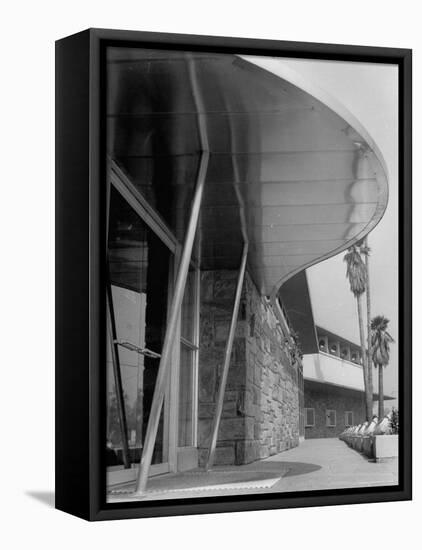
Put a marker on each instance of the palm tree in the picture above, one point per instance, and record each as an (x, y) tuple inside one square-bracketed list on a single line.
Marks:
[(381, 340), (356, 273), (365, 251)]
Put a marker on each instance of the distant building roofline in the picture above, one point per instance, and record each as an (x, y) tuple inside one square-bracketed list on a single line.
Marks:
[(339, 386)]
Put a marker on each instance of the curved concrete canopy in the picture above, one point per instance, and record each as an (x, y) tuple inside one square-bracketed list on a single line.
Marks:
[(289, 168)]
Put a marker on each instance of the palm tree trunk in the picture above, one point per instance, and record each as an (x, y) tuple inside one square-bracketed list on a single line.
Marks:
[(364, 358), (380, 392), (368, 328)]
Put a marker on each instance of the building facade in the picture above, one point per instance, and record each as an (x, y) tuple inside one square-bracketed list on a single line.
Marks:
[(261, 403), (225, 180), (334, 395), (329, 410), (334, 391)]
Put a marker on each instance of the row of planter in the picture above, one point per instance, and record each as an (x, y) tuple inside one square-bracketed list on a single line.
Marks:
[(374, 439)]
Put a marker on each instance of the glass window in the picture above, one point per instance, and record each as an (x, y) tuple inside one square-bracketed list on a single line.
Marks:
[(138, 265), (322, 344), (333, 347), (186, 396), (156, 147), (348, 418), (345, 352), (188, 361), (189, 308), (309, 417), (331, 418)]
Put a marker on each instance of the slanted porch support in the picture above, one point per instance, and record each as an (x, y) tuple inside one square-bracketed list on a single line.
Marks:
[(227, 356), (174, 313)]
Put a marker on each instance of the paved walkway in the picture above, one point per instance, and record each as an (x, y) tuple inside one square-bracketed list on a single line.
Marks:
[(331, 464), (315, 464)]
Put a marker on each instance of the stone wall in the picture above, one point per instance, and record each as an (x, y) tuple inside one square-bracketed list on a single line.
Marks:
[(261, 408), (323, 397)]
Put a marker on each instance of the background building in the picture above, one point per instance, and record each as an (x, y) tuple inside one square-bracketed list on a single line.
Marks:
[(334, 395)]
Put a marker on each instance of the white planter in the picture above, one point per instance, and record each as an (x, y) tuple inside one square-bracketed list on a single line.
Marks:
[(386, 446)]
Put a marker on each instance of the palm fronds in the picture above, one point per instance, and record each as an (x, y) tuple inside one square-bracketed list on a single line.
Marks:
[(381, 340), (355, 271)]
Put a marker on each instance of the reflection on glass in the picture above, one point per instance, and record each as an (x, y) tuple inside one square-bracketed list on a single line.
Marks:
[(186, 391), (138, 265), (159, 151), (188, 308), (188, 357)]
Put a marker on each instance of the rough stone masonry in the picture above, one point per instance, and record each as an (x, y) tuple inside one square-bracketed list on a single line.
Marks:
[(261, 403)]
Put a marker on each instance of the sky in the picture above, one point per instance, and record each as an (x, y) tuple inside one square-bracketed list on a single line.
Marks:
[(370, 92)]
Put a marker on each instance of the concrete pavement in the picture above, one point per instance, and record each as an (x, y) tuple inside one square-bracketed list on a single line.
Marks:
[(314, 465), (336, 466)]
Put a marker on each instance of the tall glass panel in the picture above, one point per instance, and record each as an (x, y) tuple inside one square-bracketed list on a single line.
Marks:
[(186, 394), (188, 361), (138, 267), (189, 308)]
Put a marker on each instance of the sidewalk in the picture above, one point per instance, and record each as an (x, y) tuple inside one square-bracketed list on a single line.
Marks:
[(315, 464), (339, 466)]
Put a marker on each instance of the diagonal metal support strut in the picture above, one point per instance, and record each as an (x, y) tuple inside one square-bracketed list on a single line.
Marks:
[(227, 356), (165, 360), (179, 289)]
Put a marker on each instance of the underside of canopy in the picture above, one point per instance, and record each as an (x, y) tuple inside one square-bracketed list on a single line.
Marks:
[(289, 170)]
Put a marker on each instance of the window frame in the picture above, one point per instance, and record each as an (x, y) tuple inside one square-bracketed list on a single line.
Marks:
[(307, 425), (118, 181), (193, 346), (328, 416), (347, 424)]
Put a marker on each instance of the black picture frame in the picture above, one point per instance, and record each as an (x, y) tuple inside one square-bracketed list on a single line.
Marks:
[(80, 311)]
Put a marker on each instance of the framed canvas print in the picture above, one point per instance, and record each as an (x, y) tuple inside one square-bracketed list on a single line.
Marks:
[(233, 274)]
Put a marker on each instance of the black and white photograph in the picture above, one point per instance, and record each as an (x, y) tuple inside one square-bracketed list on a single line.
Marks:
[(209, 250), (252, 274)]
